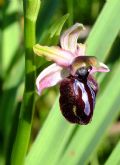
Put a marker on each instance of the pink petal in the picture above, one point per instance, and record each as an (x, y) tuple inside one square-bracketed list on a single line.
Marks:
[(100, 68), (54, 53), (49, 77), (69, 38)]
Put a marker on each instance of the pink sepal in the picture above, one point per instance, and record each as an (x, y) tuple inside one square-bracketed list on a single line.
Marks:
[(69, 38), (50, 76)]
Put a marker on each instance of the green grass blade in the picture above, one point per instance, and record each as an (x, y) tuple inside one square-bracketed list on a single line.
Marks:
[(9, 96), (47, 11), (105, 30), (51, 35), (63, 128), (114, 158)]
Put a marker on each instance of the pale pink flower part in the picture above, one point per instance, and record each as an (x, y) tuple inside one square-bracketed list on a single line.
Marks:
[(53, 73), (50, 76), (67, 58), (68, 39)]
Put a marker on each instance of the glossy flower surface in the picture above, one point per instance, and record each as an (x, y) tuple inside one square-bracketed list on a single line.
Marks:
[(74, 71)]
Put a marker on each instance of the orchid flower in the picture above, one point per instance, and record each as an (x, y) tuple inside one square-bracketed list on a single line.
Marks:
[(74, 72)]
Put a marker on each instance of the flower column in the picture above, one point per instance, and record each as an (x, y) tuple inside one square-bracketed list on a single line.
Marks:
[(31, 9)]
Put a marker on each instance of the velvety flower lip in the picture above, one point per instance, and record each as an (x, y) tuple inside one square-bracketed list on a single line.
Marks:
[(67, 58)]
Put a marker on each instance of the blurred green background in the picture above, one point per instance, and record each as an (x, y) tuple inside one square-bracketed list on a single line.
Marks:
[(12, 68)]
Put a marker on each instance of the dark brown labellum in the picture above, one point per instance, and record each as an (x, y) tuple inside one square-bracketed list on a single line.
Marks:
[(77, 98)]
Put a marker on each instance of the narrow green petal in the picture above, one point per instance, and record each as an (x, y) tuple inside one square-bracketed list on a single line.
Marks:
[(56, 54)]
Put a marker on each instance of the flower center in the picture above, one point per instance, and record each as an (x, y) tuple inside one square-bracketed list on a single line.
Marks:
[(83, 72)]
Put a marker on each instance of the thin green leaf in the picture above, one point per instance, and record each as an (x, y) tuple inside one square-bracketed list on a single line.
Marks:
[(55, 30), (8, 47), (9, 95), (10, 35), (63, 128), (105, 30), (51, 36), (114, 158), (18, 67), (47, 11)]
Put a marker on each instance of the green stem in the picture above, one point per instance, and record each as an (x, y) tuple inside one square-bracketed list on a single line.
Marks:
[(31, 9)]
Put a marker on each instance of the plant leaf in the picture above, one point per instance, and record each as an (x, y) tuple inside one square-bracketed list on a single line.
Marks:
[(114, 158), (51, 36)]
